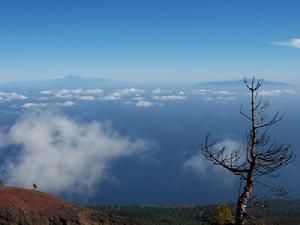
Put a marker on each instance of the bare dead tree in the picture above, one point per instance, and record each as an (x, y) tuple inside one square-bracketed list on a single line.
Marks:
[(262, 156)]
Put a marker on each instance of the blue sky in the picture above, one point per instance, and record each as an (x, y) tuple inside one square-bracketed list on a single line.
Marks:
[(157, 40)]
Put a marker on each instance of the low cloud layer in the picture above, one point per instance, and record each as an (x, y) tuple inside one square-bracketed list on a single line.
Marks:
[(277, 92), (10, 96), (138, 97), (158, 91), (119, 94), (80, 94), (144, 104), (62, 155), (30, 105), (202, 167), (169, 97)]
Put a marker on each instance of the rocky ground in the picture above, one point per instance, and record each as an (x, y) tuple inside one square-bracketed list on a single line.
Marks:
[(28, 207)]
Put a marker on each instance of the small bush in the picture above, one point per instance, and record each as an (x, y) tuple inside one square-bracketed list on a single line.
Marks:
[(222, 215)]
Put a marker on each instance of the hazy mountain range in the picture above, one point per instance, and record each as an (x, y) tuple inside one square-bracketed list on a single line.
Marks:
[(75, 81), (70, 81)]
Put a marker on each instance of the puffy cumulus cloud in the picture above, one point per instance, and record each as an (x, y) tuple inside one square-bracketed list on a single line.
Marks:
[(277, 92), (79, 91), (212, 92), (119, 94), (215, 95), (197, 163), (67, 103), (139, 98), (80, 94), (200, 92), (223, 93), (295, 43), (62, 155), (86, 98), (130, 91), (220, 98), (144, 104), (34, 105), (112, 97), (160, 91), (202, 167), (11, 96), (169, 97), (30, 105)]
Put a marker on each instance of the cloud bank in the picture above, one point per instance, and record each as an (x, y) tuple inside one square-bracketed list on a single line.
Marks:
[(30, 105), (10, 96), (80, 94), (144, 104), (203, 168), (169, 98), (277, 92), (62, 155)]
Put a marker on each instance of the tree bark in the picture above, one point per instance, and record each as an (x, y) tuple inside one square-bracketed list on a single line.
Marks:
[(248, 189), (243, 201)]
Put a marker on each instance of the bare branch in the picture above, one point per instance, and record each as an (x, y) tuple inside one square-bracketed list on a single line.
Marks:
[(230, 162), (262, 157)]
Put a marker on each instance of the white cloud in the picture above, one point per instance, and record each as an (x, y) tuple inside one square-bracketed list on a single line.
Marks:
[(200, 92), (144, 104), (119, 94), (10, 96), (211, 92), (34, 105), (111, 97), (295, 43), (67, 103), (47, 92), (169, 97), (80, 94), (277, 92), (160, 91), (86, 98), (130, 91), (62, 155), (223, 93), (290, 91), (139, 98), (198, 164), (204, 168), (79, 91), (30, 105)]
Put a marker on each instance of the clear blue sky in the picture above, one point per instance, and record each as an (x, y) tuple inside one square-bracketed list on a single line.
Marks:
[(150, 40)]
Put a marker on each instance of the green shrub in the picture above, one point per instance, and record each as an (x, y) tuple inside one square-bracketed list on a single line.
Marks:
[(222, 215)]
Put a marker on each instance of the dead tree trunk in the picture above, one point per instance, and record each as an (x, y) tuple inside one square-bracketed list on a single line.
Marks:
[(262, 158), (248, 189)]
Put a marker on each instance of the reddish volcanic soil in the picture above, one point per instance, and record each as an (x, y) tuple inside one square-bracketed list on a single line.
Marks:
[(27, 207)]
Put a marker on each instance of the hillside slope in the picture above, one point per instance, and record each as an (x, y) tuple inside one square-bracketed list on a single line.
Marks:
[(28, 207)]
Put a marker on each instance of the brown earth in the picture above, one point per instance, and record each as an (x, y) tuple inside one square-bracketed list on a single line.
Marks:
[(28, 207)]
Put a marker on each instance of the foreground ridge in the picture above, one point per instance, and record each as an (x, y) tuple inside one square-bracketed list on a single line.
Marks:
[(30, 207)]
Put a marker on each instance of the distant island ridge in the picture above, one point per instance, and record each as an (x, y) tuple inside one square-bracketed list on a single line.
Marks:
[(77, 81)]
